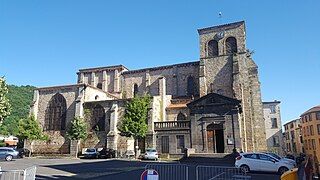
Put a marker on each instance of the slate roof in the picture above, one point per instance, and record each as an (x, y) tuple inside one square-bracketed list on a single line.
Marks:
[(221, 27)]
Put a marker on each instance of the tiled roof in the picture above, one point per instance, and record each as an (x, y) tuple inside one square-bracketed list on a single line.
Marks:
[(103, 68), (194, 63), (220, 27), (314, 109)]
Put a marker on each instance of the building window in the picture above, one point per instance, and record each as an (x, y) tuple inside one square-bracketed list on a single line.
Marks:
[(291, 125), (274, 123), (318, 127), (292, 134), (180, 142), (98, 118), (294, 148), (231, 45), (213, 49), (306, 117), (99, 85), (309, 143), (313, 141), (181, 117), (55, 118), (309, 116), (190, 86), (135, 90), (165, 144), (272, 109), (311, 130), (317, 115), (276, 141)]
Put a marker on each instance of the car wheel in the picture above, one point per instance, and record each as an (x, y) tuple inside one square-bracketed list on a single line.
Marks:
[(244, 169), (8, 158), (282, 170)]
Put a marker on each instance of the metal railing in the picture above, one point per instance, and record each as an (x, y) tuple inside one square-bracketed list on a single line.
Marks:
[(219, 172), (26, 174), (170, 171), (172, 125)]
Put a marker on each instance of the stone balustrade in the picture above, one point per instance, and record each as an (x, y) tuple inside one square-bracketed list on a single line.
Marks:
[(171, 125)]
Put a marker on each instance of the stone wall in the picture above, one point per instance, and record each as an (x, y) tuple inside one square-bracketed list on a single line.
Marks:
[(148, 79), (199, 133), (70, 93), (273, 132), (173, 141)]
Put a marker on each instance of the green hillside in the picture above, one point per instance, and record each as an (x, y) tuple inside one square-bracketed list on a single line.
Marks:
[(20, 99)]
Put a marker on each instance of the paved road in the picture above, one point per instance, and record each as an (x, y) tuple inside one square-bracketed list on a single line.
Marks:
[(96, 169)]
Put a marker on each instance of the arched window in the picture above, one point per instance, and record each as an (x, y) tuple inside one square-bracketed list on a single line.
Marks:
[(181, 117), (135, 90), (231, 45), (55, 118), (98, 118), (213, 49), (190, 86), (99, 85)]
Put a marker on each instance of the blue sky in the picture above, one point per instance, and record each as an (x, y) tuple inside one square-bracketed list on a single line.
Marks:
[(44, 43)]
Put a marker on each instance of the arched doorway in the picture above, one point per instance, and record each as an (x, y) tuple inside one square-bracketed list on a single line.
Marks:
[(215, 138)]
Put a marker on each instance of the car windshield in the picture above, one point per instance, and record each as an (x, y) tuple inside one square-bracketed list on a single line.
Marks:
[(151, 150), (274, 155), (90, 150)]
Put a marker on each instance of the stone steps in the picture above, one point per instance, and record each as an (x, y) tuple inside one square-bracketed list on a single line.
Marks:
[(210, 158)]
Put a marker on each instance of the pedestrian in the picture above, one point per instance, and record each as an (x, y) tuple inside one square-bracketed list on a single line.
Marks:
[(308, 168)]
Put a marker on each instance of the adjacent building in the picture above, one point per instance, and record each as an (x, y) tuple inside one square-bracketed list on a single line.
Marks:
[(211, 105), (310, 124), (293, 137), (272, 118)]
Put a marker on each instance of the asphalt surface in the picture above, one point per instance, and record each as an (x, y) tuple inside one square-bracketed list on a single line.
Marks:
[(113, 169)]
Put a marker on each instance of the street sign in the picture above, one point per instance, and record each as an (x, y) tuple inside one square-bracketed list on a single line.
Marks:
[(150, 174)]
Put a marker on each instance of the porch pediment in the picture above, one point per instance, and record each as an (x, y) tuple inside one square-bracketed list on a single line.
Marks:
[(214, 103)]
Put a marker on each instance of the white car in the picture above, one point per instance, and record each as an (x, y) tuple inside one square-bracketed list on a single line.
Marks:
[(261, 162), (90, 153), (151, 154), (291, 161)]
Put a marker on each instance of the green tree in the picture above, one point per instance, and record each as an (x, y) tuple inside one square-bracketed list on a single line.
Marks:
[(30, 129), (5, 107), (134, 122), (78, 129), (20, 98)]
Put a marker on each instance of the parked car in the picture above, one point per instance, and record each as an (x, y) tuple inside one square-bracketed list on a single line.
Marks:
[(261, 162), (290, 156), (151, 154), (293, 162), (90, 153), (8, 153), (23, 152), (107, 153)]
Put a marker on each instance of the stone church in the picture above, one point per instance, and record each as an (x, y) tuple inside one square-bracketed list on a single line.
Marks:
[(211, 105)]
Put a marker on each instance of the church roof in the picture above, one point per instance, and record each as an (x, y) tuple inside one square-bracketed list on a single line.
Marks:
[(220, 27), (162, 67), (121, 67)]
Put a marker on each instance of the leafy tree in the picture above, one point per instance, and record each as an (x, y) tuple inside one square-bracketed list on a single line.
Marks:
[(134, 123), (20, 98), (78, 129), (5, 107), (30, 129)]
